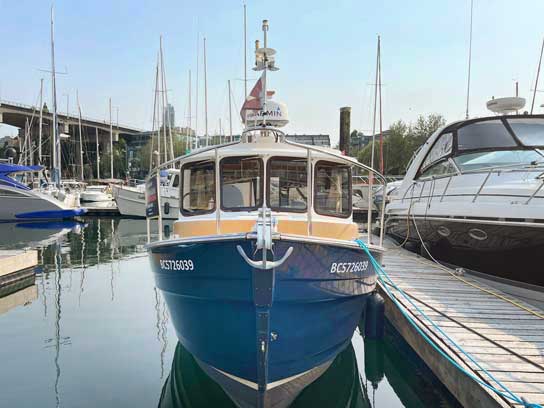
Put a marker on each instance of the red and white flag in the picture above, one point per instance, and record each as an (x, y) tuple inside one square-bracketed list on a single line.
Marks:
[(253, 100)]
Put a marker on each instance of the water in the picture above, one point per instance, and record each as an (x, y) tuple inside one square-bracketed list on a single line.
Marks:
[(91, 330)]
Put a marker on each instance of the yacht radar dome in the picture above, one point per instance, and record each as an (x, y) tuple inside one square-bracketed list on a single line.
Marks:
[(507, 105)]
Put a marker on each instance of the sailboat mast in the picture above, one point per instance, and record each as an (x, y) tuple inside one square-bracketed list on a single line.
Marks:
[(380, 99), (537, 77), (97, 155), (206, 97), (80, 138), (111, 144), (188, 135), (154, 118), (165, 106), (57, 174), (371, 175), (197, 145), (41, 124), (230, 113), (245, 54)]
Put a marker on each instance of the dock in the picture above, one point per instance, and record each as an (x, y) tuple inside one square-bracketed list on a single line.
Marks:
[(504, 335), (17, 265), (100, 211)]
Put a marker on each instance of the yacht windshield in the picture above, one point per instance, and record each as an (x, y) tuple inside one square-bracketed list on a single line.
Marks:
[(530, 131), (499, 158)]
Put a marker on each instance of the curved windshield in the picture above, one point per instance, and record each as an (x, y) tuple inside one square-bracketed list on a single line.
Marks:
[(500, 158), (530, 131)]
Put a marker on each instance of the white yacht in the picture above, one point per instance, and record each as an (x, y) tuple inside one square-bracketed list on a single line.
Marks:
[(96, 193), (474, 194), (131, 199), (18, 202)]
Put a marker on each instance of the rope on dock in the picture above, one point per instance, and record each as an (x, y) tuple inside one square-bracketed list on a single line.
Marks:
[(383, 277), (490, 292)]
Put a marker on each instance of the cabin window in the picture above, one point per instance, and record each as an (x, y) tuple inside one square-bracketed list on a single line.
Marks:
[(442, 168), (332, 194), (529, 131), (441, 148), (175, 182), (490, 134), (241, 183), (198, 188), (287, 184)]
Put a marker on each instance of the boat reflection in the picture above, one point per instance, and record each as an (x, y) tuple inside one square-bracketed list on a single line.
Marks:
[(15, 235), (188, 385)]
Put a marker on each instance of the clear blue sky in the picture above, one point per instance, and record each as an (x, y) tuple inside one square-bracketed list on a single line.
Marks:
[(326, 52)]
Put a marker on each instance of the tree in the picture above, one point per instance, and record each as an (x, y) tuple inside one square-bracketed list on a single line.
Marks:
[(401, 142)]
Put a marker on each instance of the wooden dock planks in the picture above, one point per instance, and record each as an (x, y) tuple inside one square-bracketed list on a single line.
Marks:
[(502, 337)]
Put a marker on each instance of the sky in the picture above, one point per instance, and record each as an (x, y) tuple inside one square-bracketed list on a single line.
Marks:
[(326, 51)]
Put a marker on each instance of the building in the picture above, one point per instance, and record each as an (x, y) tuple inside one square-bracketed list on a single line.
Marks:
[(313, 140), (359, 140), (169, 119)]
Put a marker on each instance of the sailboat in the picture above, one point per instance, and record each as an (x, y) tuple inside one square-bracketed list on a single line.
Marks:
[(131, 199), (262, 277)]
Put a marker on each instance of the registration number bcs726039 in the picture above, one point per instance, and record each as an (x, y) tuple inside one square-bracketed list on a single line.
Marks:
[(349, 267)]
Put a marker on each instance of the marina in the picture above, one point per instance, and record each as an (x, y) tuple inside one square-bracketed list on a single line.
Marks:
[(283, 241)]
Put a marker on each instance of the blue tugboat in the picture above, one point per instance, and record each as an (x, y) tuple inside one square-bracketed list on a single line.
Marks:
[(262, 277)]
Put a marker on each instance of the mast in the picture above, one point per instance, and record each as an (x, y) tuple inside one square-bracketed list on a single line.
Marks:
[(380, 113), (41, 124), (187, 147), (206, 97), (166, 110), (57, 173), (97, 156), (111, 144), (469, 57), (537, 77), (245, 55), (230, 112), (80, 138), (371, 175), (263, 102), (196, 90), (155, 118)]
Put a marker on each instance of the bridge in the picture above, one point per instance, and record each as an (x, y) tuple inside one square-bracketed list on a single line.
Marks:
[(95, 135)]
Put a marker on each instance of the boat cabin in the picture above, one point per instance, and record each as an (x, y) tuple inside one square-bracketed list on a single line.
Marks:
[(480, 144), (309, 192)]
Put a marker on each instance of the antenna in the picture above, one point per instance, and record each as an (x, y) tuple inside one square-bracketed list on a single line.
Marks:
[(469, 57), (537, 77)]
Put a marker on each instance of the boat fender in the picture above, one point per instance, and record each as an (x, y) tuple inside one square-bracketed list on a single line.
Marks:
[(167, 207), (374, 317)]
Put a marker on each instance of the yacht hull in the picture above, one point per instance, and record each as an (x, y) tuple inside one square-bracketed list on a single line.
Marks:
[(263, 327), (18, 205), (131, 202), (506, 250)]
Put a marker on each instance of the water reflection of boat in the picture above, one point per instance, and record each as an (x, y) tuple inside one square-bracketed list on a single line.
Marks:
[(188, 385), (34, 234), (133, 232)]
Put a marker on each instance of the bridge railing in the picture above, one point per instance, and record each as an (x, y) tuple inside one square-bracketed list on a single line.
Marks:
[(70, 116)]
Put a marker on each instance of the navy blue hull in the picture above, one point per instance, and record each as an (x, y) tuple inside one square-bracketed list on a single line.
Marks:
[(219, 310)]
